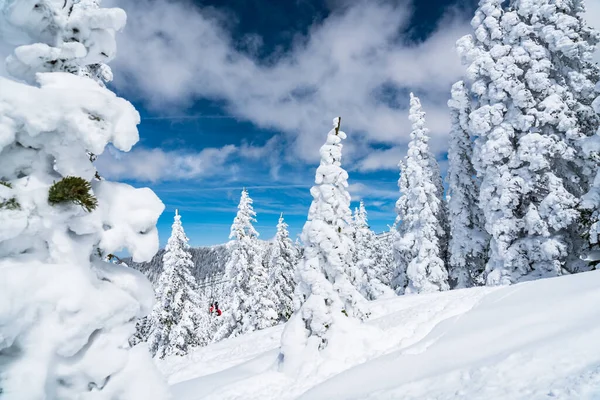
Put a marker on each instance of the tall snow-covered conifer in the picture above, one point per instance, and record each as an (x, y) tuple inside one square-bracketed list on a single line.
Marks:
[(366, 257), (422, 240), (282, 268), (468, 238), (591, 201), (174, 319), (249, 304), (522, 121), (57, 222), (384, 257), (326, 300), (559, 26)]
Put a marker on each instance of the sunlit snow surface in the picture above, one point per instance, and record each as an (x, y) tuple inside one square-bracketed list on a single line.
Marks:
[(535, 340)]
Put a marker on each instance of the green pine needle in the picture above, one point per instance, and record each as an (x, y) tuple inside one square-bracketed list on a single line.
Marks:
[(73, 189)]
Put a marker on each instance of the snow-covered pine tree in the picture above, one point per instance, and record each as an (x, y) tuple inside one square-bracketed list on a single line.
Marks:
[(402, 254), (324, 297), (143, 329), (174, 318), (384, 257), (521, 120), (559, 26), (282, 269), (211, 291), (67, 313), (365, 257), (590, 202), (249, 304), (468, 239), (423, 234), (204, 320)]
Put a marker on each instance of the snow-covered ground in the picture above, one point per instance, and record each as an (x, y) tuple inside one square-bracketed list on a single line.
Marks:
[(533, 340)]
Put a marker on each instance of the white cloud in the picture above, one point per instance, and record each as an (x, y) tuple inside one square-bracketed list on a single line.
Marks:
[(387, 159), (361, 191), (172, 53), (153, 165)]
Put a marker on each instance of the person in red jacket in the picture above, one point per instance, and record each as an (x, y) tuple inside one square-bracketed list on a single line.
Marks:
[(218, 309), (212, 308)]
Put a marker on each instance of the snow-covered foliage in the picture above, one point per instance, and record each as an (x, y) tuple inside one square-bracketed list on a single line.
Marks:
[(249, 302), (75, 36), (282, 261), (65, 314), (366, 258), (326, 301), (422, 240), (525, 121), (175, 317), (384, 257), (590, 203), (468, 239)]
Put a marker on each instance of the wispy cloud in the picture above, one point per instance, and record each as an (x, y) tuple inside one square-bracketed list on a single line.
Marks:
[(362, 191), (153, 165)]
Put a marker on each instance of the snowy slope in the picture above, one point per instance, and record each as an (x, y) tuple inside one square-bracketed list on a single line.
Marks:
[(529, 341)]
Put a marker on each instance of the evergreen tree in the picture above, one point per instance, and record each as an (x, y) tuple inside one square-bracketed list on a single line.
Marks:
[(559, 26), (423, 237), (590, 203), (366, 259), (206, 324), (249, 300), (282, 269), (384, 257), (174, 317), (468, 238), (401, 252), (324, 296), (212, 291), (66, 326), (522, 122), (143, 328)]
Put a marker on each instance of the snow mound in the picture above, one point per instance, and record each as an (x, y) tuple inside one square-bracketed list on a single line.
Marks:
[(528, 341), (68, 334)]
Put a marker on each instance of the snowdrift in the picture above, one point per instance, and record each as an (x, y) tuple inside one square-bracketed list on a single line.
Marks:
[(533, 340)]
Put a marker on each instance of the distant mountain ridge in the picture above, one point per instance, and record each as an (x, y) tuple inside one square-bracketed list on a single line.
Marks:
[(209, 262)]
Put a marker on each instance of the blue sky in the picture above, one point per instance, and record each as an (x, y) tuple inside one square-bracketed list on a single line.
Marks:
[(241, 93)]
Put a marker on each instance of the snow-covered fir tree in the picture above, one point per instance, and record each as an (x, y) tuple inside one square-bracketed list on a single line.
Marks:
[(174, 319), (523, 154), (559, 26), (67, 313), (590, 203), (468, 239), (249, 302), (206, 322), (384, 257), (422, 240), (365, 257), (282, 268), (400, 254), (325, 299)]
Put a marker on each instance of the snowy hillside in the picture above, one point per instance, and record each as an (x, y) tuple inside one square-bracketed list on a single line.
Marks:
[(532, 340)]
